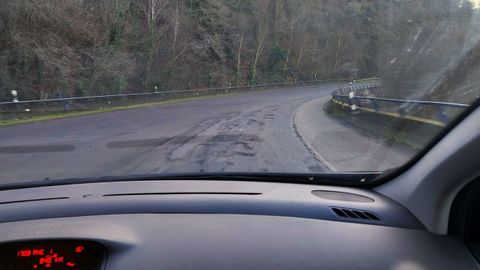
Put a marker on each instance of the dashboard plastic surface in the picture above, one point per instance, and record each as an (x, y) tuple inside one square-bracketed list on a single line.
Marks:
[(227, 225), (183, 241), (190, 197)]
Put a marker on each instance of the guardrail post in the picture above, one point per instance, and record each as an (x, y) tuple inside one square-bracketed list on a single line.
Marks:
[(66, 105), (442, 115), (351, 96), (14, 94), (374, 105)]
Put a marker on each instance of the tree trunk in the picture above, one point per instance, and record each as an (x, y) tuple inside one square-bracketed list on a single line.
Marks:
[(337, 54), (239, 60), (257, 56), (285, 66), (175, 28), (300, 54)]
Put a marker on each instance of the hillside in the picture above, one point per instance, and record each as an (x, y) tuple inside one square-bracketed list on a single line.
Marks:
[(61, 48)]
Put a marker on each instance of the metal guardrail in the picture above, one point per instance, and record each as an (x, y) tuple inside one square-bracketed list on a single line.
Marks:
[(431, 112), (102, 101)]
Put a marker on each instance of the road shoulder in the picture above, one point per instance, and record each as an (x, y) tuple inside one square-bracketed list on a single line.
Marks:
[(341, 147)]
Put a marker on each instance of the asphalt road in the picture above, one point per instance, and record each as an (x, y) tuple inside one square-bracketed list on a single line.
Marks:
[(251, 132)]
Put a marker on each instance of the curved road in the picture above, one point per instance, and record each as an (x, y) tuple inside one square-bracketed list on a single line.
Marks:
[(251, 132)]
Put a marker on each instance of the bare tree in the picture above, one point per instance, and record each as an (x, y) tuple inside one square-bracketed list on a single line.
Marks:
[(151, 11), (261, 34), (242, 23), (290, 41), (176, 25), (338, 54)]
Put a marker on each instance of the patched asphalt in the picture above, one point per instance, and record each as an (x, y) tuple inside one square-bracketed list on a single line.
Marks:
[(250, 132)]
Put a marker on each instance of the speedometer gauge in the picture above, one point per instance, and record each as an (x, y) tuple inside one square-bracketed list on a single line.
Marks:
[(52, 255)]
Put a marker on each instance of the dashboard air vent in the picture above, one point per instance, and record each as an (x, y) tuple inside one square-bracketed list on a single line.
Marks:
[(354, 214)]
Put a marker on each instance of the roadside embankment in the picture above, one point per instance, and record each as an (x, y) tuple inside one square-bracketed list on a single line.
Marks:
[(343, 142)]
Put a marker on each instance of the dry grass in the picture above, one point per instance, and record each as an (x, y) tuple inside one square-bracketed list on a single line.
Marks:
[(60, 115)]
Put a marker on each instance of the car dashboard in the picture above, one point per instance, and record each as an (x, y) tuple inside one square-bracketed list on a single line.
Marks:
[(216, 225)]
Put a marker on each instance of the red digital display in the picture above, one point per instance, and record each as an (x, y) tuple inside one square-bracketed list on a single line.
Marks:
[(52, 255)]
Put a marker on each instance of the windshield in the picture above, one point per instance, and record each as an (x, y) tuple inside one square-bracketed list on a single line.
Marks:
[(96, 88)]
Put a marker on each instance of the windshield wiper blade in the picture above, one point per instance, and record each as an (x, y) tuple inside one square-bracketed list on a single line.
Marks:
[(330, 178), (316, 178)]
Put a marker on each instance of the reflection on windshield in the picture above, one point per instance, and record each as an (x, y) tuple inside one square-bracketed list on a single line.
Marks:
[(138, 87)]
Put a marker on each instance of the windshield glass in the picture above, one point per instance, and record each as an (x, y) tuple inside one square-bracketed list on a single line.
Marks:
[(95, 88)]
